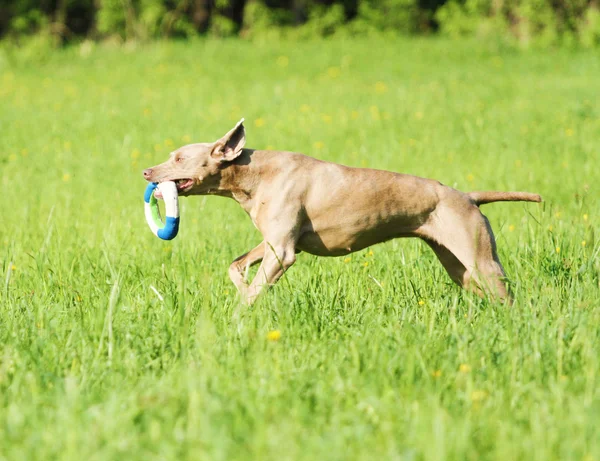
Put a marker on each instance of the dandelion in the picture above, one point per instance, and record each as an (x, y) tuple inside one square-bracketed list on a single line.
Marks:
[(67, 145), (419, 115), (511, 228), (436, 373), (169, 143), (550, 228), (186, 138), (326, 118), (583, 243), (464, 368), (147, 112), (274, 335), (518, 163), (421, 302), (13, 268), (366, 263), (12, 157), (318, 145), (259, 122), (333, 72), (478, 395), (370, 253), (66, 177), (569, 132), (585, 217), (226, 292), (305, 108), (347, 260), (283, 61), (374, 112), (269, 147), (470, 177), (558, 249), (354, 114), (557, 214), (135, 154), (380, 87)]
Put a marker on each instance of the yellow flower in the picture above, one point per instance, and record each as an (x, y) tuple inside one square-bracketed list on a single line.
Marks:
[(67, 145), (374, 112), (470, 177), (550, 228), (464, 368), (380, 87), (478, 395), (558, 249), (135, 153), (557, 214), (511, 228), (518, 163), (13, 267), (419, 115), (12, 157), (24, 152), (326, 118), (147, 112), (370, 253), (585, 217), (274, 335), (186, 138), (169, 143), (158, 147), (354, 114), (436, 373), (347, 260), (318, 145), (333, 72), (259, 122), (583, 243), (283, 61), (569, 132), (366, 263), (66, 177), (305, 108)]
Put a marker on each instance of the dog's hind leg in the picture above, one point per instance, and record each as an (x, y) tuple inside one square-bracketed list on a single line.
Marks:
[(464, 243)]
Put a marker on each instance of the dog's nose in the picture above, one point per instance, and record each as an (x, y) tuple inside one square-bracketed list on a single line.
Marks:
[(147, 173)]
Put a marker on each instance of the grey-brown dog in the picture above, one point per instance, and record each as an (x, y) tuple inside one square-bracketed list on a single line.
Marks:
[(299, 203)]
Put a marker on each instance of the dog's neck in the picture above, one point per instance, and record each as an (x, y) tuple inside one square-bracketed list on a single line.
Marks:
[(240, 179)]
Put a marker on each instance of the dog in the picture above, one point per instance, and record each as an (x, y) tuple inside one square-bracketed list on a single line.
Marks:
[(299, 203)]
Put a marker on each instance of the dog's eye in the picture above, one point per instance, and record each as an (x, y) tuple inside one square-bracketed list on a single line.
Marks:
[(179, 159)]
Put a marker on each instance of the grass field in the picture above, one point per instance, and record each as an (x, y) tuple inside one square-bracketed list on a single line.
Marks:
[(377, 355)]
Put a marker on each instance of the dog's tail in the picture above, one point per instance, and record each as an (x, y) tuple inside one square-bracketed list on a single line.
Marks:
[(481, 198)]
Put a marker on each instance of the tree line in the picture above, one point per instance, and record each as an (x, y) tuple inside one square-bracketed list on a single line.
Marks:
[(543, 21)]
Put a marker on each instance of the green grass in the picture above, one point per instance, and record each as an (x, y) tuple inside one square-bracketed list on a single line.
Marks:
[(380, 356)]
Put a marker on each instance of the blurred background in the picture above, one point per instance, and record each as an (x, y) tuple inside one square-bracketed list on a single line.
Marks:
[(545, 22)]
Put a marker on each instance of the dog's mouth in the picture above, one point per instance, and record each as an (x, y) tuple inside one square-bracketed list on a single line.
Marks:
[(183, 186)]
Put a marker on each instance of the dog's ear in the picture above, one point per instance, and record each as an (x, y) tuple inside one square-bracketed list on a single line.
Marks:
[(230, 146)]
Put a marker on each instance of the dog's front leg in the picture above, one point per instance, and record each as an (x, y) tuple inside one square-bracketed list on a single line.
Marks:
[(238, 271), (277, 259)]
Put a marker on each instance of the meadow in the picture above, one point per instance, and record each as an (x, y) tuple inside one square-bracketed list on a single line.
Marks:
[(116, 345)]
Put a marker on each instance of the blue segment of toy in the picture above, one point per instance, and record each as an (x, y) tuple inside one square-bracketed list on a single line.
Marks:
[(169, 232), (149, 189)]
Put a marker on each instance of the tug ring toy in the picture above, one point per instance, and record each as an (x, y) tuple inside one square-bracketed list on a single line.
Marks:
[(167, 230)]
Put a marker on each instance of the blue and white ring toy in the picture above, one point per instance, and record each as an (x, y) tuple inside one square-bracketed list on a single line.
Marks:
[(167, 230)]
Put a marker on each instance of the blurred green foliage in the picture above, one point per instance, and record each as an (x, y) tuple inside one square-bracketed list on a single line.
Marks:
[(538, 22)]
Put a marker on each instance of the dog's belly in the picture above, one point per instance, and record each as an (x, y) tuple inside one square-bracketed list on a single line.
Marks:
[(341, 240)]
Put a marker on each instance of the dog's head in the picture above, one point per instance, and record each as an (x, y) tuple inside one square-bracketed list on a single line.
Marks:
[(196, 168)]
